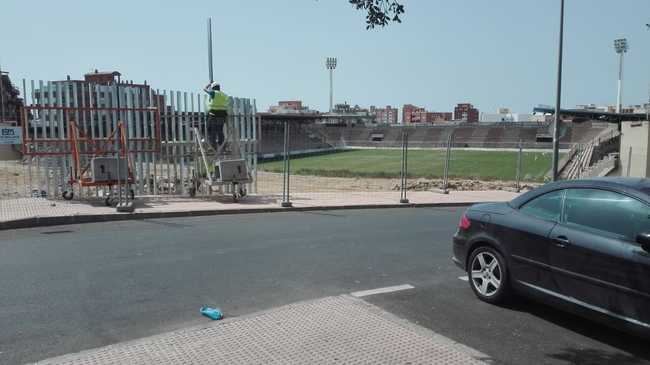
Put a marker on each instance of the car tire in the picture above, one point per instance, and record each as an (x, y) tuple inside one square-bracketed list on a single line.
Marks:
[(488, 275)]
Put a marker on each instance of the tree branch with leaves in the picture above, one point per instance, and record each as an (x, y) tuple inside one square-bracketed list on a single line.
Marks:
[(379, 12)]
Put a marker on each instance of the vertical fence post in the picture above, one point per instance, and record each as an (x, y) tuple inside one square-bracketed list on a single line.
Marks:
[(519, 160), (404, 170), (154, 98), (445, 176), (180, 165), (286, 201), (174, 150), (255, 145), (45, 120), (25, 122), (119, 144)]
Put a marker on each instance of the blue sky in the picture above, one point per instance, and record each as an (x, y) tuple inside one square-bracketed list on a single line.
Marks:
[(491, 53)]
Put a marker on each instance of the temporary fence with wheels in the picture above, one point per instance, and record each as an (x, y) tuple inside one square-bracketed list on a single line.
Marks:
[(150, 135)]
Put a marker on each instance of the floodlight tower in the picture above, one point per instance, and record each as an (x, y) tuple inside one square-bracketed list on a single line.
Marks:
[(621, 47), (330, 63), (647, 108)]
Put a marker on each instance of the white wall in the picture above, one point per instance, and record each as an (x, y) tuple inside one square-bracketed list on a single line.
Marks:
[(635, 154), (510, 117)]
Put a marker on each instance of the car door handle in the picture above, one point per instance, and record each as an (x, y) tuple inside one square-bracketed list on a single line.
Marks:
[(561, 241)]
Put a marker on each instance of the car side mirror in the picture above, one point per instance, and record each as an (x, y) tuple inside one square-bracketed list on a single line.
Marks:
[(644, 240)]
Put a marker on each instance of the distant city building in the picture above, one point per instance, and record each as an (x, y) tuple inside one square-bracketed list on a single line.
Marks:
[(102, 78), (291, 107), (102, 85), (503, 111), (413, 114), (466, 112), (346, 114), (433, 117), (345, 108), (629, 109), (408, 111), (422, 116), (505, 115), (10, 100), (387, 115), (96, 90), (291, 104)]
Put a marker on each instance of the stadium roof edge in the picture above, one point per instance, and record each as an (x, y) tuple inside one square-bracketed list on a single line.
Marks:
[(593, 114)]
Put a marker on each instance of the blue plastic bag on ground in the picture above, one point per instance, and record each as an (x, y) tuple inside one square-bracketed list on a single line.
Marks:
[(212, 313)]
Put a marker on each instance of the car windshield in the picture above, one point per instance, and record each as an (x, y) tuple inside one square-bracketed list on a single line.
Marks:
[(292, 181)]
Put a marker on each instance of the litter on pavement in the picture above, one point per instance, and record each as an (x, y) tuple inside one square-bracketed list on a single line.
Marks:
[(212, 313)]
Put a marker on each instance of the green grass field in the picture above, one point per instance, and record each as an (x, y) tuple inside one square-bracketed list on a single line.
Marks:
[(482, 165)]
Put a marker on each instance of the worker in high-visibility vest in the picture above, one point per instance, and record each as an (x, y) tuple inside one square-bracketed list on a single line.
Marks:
[(217, 113)]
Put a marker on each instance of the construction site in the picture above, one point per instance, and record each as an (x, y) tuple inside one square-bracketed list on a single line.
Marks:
[(113, 140), (105, 138)]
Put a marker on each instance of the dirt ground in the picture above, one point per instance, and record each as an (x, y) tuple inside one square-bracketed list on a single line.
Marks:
[(15, 182), (14, 179), (271, 183)]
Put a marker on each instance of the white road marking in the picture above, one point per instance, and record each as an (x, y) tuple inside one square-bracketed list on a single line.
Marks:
[(464, 278), (388, 289)]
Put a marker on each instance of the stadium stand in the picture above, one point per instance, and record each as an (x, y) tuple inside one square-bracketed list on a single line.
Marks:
[(312, 136), (302, 139)]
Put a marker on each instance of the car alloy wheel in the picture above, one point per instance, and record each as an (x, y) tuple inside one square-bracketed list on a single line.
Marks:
[(486, 274)]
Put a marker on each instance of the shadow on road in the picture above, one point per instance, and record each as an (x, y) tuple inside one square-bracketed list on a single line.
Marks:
[(636, 346), (595, 356)]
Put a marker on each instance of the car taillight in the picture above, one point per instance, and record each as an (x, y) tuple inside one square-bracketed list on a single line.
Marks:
[(464, 223)]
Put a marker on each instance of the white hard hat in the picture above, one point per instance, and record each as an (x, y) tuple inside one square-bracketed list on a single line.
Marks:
[(214, 85)]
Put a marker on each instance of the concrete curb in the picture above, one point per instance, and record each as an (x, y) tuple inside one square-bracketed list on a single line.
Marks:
[(96, 218)]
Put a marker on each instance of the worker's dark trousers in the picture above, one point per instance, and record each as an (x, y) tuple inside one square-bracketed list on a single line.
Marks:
[(216, 121)]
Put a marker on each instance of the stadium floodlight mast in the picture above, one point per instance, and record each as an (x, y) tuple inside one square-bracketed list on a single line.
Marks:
[(2, 97), (647, 108), (330, 64), (621, 47), (556, 124)]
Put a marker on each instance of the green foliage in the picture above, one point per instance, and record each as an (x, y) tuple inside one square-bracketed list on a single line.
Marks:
[(379, 12)]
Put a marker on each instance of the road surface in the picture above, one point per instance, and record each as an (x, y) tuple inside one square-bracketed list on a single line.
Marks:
[(68, 288)]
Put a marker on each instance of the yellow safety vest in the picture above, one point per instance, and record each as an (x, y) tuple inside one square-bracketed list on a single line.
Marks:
[(219, 102)]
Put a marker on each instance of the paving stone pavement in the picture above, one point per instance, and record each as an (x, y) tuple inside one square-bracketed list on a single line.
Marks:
[(332, 330), (24, 208)]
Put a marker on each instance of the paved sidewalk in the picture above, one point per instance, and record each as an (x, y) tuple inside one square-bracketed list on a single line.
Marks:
[(30, 212), (334, 330)]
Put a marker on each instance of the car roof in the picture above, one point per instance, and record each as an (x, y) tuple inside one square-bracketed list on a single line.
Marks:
[(639, 187)]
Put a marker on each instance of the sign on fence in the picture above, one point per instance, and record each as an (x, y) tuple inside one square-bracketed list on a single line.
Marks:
[(10, 135)]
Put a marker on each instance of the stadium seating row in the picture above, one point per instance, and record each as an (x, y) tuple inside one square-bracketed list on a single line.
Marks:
[(499, 135)]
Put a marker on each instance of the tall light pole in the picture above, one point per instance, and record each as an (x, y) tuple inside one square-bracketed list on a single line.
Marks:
[(621, 47), (556, 124), (2, 99), (211, 76), (647, 108), (330, 63)]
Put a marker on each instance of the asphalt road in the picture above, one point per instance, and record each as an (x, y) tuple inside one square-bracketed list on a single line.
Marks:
[(68, 288)]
